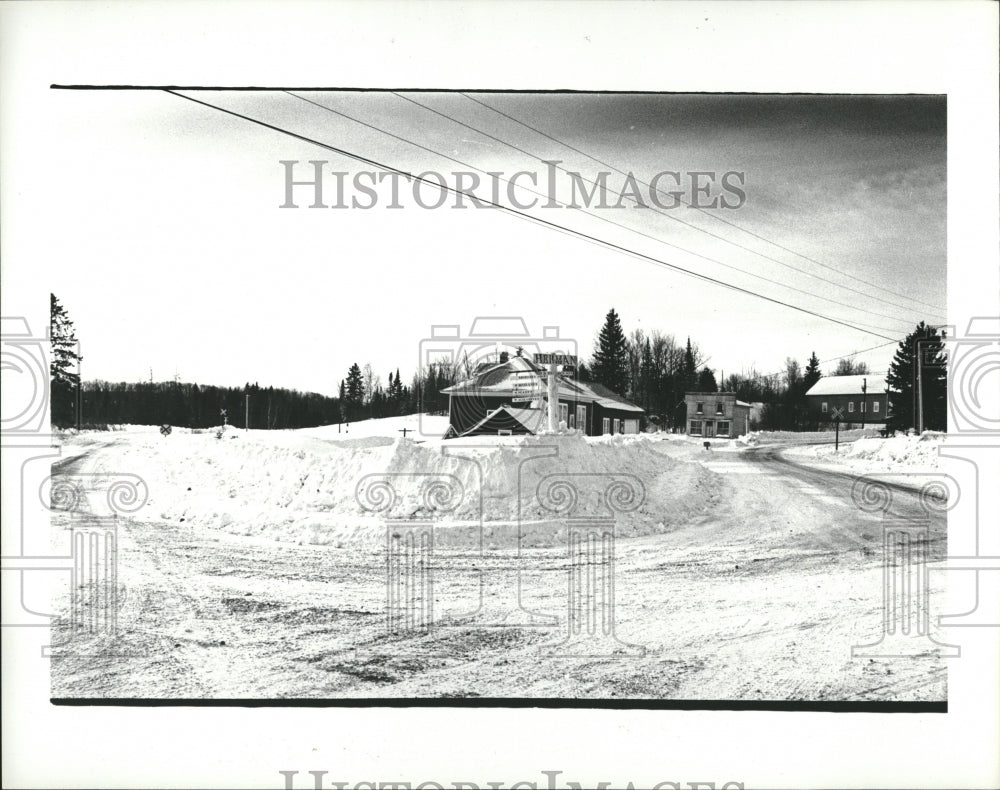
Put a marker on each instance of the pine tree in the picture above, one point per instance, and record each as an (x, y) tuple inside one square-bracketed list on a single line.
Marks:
[(610, 362), (812, 374), (354, 393), (706, 381), (64, 366), (902, 378), (689, 372)]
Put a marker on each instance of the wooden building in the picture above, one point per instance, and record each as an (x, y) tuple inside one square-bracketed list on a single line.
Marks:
[(716, 414), (860, 399), (510, 398)]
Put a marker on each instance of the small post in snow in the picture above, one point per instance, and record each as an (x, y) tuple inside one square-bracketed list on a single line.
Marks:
[(837, 414)]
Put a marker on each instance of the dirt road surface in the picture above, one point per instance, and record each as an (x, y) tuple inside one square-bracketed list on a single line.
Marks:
[(760, 597)]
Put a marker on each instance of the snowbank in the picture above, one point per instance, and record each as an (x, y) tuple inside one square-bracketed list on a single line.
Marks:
[(755, 438), (293, 485), (899, 453)]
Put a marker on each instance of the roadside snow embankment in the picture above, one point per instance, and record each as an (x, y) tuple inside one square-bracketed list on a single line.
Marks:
[(874, 455), (291, 486), (757, 438)]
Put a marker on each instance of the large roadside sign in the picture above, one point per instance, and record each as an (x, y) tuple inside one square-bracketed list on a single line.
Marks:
[(555, 359), (527, 387)]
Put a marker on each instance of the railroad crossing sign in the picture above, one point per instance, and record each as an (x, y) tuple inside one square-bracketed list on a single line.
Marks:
[(837, 415)]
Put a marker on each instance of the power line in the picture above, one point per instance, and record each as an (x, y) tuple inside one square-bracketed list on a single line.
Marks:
[(524, 215), (758, 376), (602, 218), (938, 310)]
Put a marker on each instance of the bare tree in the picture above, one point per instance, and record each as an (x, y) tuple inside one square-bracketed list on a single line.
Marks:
[(371, 382), (848, 367)]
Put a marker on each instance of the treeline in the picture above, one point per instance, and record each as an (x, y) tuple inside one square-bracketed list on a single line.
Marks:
[(362, 397), (201, 406), (654, 370)]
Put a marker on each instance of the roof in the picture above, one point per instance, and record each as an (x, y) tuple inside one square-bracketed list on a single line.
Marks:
[(715, 395), (528, 419), (606, 397), (848, 385), (498, 381)]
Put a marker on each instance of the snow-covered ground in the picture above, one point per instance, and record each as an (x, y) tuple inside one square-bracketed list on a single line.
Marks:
[(876, 455), (303, 486), (757, 438), (253, 570)]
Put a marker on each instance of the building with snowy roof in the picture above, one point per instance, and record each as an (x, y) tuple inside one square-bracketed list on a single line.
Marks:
[(712, 414), (511, 398), (857, 399)]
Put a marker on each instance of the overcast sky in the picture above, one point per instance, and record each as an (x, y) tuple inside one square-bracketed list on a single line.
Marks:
[(171, 252)]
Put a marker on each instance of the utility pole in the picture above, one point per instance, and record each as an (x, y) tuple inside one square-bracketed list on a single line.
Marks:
[(79, 385), (864, 400), (919, 394), (246, 414), (920, 391)]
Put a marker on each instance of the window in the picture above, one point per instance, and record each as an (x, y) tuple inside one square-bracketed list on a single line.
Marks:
[(875, 407), (701, 408), (722, 429), (823, 407), (718, 407), (862, 405), (564, 412), (850, 406), (631, 426), (695, 429), (606, 425), (502, 432), (581, 417)]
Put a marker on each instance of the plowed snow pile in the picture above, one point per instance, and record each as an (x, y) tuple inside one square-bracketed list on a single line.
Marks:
[(898, 453), (291, 486), (755, 438)]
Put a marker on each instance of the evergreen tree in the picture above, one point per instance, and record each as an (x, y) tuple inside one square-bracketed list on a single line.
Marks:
[(706, 381), (610, 361), (354, 392), (689, 372), (902, 378), (64, 365), (812, 374)]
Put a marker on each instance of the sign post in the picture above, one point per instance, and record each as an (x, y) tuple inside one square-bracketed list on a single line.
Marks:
[(837, 414), (527, 387), (554, 361)]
